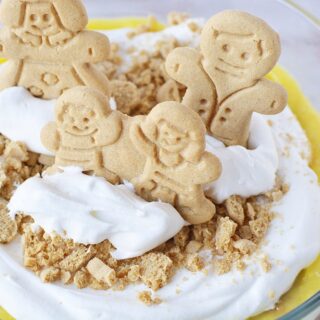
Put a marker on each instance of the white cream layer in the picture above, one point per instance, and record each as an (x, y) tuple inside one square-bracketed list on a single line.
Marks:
[(90, 210), (245, 172), (292, 243), (23, 116)]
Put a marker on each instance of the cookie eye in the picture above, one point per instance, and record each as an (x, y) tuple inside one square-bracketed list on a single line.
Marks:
[(33, 17), (245, 56), (226, 48), (46, 17), (85, 120)]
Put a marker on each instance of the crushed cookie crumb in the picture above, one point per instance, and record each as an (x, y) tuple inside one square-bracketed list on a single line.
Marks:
[(102, 272), (235, 209), (8, 227), (156, 270), (225, 230), (194, 27), (176, 18), (147, 299), (77, 259), (50, 274), (194, 262), (193, 246), (245, 246), (266, 264)]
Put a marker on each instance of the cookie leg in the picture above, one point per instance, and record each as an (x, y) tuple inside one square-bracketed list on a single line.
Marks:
[(195, 209)]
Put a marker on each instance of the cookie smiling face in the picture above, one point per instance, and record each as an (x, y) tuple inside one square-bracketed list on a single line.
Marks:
[(171, 138), (41, 19), (237, 44), (78, 120), (236, 54)]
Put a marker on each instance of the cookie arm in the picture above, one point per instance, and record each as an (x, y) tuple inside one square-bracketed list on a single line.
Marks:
[(50, 137), (207, 170), (232, 122), (184, 65), (140, 141), (110, 130)]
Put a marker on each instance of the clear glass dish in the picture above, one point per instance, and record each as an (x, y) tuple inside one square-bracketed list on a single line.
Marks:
[(300, 36)]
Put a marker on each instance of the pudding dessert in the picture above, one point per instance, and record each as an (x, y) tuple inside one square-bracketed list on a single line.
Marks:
[(160, 171)]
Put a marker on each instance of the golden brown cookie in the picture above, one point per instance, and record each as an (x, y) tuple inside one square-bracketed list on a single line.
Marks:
[(84, 124), (172, 137), (162, 154), (48, 49), (237, 51)]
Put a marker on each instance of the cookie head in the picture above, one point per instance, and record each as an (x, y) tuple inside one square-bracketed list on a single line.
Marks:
[(40, 19), (176, 129), (80, 110), (239, 45)]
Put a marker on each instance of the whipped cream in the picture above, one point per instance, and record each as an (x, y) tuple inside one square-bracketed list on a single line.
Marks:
[(23, 116), (292, 243), (90, 210), (245, 172)]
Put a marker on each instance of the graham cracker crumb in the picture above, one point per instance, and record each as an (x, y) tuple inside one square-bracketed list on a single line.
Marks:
[(8, 227), (225, 230), (134, 273), (156, 270), (194, 262), (182, 237), (235, 209), (66, 277), (245, 246), (222, 266), (102, 272), (194, 27), (176, 18), (147, 27), (82, 279), (147, 299), (193, 246), (16, 150), (50, 274), (266, 264), (250, 212), (259, 227), (77, 259)]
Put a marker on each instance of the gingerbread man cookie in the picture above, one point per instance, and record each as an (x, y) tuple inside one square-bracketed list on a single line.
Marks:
[(172, 137), (237, 51), (162, 154), (84, 124), (48, 49)]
